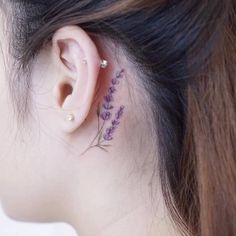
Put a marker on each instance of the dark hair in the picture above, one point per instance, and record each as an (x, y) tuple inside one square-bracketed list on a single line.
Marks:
[(184, 52)]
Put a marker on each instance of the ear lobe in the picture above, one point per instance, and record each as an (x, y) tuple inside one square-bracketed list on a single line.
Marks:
[(75, 87)]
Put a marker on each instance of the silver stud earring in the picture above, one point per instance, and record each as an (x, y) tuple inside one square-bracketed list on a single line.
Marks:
[(70, 117), (104, 63)]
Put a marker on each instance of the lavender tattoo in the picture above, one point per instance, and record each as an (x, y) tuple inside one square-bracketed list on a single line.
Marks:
[(104, 113)]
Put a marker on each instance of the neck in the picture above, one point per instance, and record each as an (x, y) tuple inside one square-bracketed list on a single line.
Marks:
[(141, 222), (115, 199), (141, 219)]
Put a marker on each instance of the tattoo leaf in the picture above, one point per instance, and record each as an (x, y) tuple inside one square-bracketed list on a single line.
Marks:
[(103, 148), (100, 136), (98, 110)]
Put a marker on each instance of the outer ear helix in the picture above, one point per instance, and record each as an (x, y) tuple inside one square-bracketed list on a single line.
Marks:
[(103, 64), (104, 114)]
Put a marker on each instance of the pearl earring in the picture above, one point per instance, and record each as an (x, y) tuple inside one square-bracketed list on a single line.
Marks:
[(70, 117)]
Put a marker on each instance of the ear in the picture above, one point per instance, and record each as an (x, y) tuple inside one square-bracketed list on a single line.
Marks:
[(78, 63)]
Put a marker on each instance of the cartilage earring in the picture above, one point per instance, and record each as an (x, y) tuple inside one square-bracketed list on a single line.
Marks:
[(70, 117), (104, 63)]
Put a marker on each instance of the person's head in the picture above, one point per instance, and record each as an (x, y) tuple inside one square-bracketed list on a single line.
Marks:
[(155, 127)]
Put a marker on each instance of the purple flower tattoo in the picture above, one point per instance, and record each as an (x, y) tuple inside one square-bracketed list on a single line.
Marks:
[(110, 131), (104, 113)]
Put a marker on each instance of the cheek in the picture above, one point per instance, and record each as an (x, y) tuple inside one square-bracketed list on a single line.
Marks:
[(6, 125), (33, 175), (6, 128), (24, 179), (28, 177), (22, 176), (28, 184), (18, 183)]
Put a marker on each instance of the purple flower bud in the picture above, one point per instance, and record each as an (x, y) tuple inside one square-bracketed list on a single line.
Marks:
[(106, 115), (110, 131), (120, 112), (120, 74), (111, 89), (107, 106), (115, 81), (107, 137), (108, 98), (115, 122)]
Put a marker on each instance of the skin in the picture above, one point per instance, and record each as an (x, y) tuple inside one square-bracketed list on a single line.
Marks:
[(43, 178)]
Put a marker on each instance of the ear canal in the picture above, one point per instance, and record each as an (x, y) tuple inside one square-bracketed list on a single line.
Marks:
[(65, 90)]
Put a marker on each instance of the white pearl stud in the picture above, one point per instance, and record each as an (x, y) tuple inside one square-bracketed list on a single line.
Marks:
[(70, 117)]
